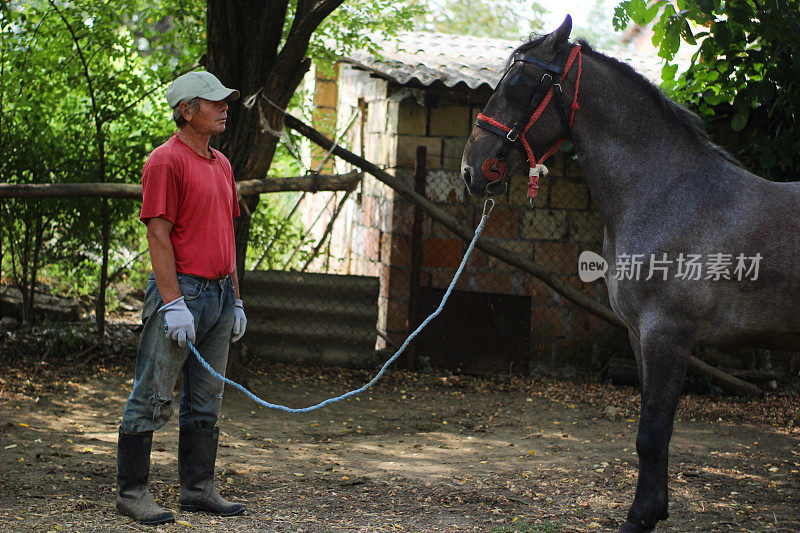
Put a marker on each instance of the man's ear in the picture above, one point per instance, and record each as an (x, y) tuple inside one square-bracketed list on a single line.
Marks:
[(559, 38), (183, 107)]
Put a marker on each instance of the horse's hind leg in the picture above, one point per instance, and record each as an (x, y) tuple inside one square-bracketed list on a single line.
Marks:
[(664, 352)]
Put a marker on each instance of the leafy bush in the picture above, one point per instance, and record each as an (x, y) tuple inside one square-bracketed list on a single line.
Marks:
[(743, 77)]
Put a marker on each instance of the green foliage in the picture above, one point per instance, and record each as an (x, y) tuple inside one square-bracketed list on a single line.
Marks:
[(81, 100), (355, 24), (500, 19), (743, 77), (274, 239)]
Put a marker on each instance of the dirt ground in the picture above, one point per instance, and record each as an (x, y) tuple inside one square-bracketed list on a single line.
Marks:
[(418, 452)]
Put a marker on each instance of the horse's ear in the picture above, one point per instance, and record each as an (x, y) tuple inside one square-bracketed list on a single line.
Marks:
[(558, 38)]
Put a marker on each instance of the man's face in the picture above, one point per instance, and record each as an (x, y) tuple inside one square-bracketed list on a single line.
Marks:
[(209, 118)]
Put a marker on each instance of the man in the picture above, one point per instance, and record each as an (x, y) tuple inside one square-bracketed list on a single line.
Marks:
[(193, 295)]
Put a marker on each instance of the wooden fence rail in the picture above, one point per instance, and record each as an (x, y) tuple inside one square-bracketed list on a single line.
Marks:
[(309, 182)]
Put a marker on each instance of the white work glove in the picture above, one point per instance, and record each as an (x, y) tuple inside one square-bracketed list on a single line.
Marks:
[(178, 321), (239, 321)]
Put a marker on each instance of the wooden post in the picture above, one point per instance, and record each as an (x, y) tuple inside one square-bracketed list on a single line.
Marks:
[(415, 275)]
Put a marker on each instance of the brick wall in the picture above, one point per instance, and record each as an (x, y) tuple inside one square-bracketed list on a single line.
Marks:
[(323, 116)]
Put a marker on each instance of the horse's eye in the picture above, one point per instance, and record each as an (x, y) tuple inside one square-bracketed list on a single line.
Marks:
[(520, 89)]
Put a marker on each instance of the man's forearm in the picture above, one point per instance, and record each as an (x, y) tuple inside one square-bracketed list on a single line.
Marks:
[(162, 257), (235, 280)]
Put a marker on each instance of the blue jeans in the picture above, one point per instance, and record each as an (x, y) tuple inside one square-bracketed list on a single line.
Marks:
[(160, 359)]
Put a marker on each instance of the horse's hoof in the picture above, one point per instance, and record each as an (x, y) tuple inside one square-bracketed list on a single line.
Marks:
[(632, 527)]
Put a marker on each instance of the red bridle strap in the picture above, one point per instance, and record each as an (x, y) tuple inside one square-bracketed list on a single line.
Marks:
[(574, 107)]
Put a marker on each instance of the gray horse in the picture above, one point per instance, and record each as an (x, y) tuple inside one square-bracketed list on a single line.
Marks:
[(669, 197)]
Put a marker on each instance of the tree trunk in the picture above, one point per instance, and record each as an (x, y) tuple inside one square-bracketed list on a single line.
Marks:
[(100, 308), (244, 51), (37, 250), (24, 257)]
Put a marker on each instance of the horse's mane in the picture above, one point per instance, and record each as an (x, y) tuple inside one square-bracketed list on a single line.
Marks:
[(677, 114)]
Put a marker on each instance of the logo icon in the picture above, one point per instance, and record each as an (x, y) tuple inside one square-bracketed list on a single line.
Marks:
[(591, 266)]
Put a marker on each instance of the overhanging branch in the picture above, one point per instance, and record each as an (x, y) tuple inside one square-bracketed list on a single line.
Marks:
[(310, 183), (306, 22)]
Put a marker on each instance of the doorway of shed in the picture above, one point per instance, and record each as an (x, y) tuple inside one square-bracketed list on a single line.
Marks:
[(476, 332)]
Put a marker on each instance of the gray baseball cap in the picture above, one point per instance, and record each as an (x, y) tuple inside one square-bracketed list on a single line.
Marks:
[(198, 84)]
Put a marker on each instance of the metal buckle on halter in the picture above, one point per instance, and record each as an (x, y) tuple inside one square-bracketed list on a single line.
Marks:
[(546, 75), (515, 137)]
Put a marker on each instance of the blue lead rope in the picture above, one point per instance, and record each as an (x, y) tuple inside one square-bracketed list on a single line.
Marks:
[(487, 209)]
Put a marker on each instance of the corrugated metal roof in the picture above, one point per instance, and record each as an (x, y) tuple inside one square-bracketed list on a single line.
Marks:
[(427, 58)]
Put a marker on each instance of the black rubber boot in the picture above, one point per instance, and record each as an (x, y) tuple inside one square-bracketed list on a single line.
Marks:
[(133, 471), (197, 453)]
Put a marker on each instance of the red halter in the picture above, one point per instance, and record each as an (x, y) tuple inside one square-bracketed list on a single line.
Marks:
[(494, 168)]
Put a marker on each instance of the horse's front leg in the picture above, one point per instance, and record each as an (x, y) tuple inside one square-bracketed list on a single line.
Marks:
[(664, 352)]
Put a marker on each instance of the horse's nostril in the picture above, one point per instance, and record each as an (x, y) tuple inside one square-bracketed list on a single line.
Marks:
[(466, 174)]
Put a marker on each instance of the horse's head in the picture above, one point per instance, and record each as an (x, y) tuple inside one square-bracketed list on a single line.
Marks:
[(522, 92)]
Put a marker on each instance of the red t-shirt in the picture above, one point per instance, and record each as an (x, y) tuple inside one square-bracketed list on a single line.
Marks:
[(198, 195)]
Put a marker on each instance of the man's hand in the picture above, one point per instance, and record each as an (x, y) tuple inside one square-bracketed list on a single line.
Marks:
[(239, 321), (179, 321)]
